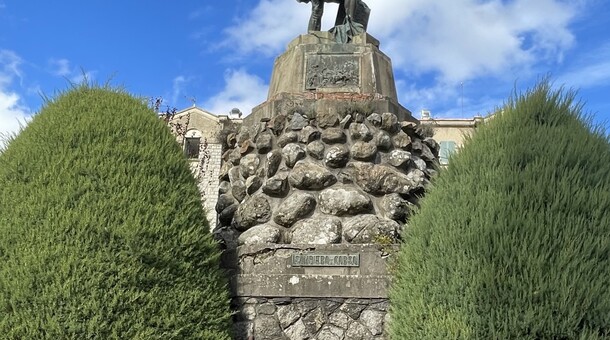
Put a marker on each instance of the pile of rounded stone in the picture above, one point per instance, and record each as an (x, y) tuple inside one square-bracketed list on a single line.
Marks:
[(322, 179)]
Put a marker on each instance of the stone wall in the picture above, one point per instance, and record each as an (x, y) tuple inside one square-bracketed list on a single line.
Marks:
[(322, 178), (311, 318), (318, 185), (207, 179), (275, 298)]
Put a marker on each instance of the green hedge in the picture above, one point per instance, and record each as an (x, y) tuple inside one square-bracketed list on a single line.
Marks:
[(102, 232), (513, 239)]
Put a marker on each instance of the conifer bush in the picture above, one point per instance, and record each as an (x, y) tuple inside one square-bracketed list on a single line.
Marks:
[(512, 241), (102, 232)]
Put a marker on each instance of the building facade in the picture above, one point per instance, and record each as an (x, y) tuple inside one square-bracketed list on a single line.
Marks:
[(201, 135), (450, 133)]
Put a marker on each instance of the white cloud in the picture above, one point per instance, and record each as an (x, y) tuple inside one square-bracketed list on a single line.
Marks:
[(60, 67), (272, 24), (13, 114), (178, 85), (455, 40), (463, 39), (63, 68), (593, 70), (242, 90)]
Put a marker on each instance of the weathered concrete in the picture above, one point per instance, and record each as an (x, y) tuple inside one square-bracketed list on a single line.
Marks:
[(318, 74), (265, 271), (276, 300)]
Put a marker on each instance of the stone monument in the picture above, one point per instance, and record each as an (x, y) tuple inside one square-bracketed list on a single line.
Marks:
[(315, 190)]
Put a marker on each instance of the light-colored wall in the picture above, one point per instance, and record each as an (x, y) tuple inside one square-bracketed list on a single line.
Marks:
[(208, 182), (455, 134), (207, 126), (452, 129)]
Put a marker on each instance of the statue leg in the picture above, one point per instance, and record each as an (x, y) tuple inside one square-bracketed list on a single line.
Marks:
[(317, 9), (350, 8), (340, 14)]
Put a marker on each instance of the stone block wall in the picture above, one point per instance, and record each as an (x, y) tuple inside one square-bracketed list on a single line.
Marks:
[(207, 171), (322, 178), (276, 298), (311, 318)]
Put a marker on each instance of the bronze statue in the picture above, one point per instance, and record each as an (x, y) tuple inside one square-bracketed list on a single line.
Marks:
[(354, 10)]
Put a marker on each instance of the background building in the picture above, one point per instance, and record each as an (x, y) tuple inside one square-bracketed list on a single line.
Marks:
[(202, 135), (450, 132)]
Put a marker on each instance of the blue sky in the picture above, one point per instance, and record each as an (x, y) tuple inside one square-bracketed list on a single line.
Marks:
[(219, 54)]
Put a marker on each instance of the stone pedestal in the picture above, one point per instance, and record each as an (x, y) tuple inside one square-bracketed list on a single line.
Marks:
[(310, 291), (314, 192), (319, 75)]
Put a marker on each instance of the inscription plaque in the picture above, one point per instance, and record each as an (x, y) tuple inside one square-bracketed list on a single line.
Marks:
[(332, 70), (325, 260)]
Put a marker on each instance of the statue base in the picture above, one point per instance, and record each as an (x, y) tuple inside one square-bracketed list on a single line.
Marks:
[(318, 74)]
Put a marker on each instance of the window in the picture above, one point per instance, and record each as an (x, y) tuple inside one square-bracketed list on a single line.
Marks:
[(191, 147), (447, 149)]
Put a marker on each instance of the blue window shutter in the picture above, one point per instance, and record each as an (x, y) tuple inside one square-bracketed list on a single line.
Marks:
[(447, 149)]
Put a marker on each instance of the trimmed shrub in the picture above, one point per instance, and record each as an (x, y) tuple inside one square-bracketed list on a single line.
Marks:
[(102, 232), (512, 241)]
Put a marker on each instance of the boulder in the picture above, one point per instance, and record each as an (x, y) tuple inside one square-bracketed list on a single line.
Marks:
[(333, 136), (293, 153), (373, 321), (234, 174), (293, 208), (383, 140), (248, 165), (253, 183), (274, 159), (277, 124), (298, 121), (364, 151), (316, 150), (224, 171), (246, 147), (432, 144), (345, 121), (253, 211), (287, 138), (309, 134), (231, 140), (276, 186), (264, 142), (375, 119), (224, 187), (419, 163), (394, 207), (401, 140), (327, 119), (360, 131), (357, 331), (226, 216), (337, 156), (224, 201), (363, 229), (307, 175), (399, 158), (389, 122), (238, 190), (408, 127), (427, 154), (260, 234), (234, 157), (324, 231), (384, 179), (331, 332), (344, 200)]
